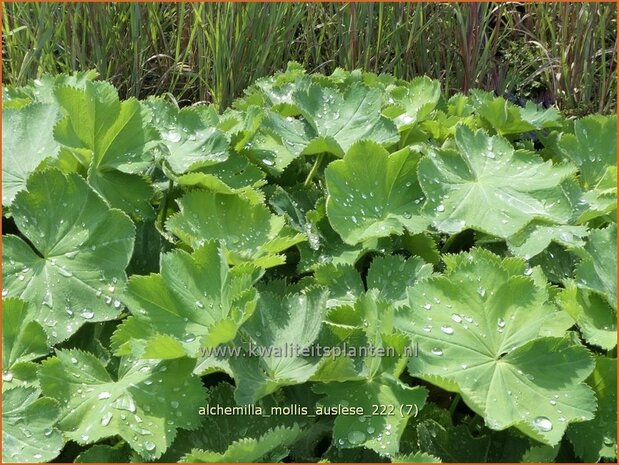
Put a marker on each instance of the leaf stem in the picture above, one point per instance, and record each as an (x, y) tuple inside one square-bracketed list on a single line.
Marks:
[(164, 205), (314, 170), (454, 404), (449, 242)]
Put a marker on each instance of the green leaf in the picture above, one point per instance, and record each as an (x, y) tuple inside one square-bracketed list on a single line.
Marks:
[(107, 136), (42, 90), (597, 438), (374, 194), (145, 405), (478, 332), (597, 272), (393, 274), (28, 432), (21, 152), (334, 122), (274, 91), (602, 199), (266, 147), (513, 188), (248, 230), (413, 103), (507, 118), (248, 450), (416, 457), (218, 432), (537, 236), (101, 453), (343, 281), (196, 298), (596, 319), (451, 444), (326, 246), (592, 147), (234, 175), (74, 268), (345, 284), (375, 430), (191, 140), (23, 339), (130, 193), (279, 332)]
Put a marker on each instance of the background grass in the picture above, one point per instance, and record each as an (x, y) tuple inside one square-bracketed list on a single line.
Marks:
[(552, 53)]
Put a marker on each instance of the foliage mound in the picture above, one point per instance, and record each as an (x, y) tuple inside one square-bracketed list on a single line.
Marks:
[(455, 255)]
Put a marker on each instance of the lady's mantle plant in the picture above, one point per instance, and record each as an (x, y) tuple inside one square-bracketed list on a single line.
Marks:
[(149, 250)]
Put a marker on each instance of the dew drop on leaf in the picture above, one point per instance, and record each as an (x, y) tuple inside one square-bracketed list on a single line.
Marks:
[(149, 445), (106, 419), (356, 437), (87, 314), (543, 424), (447, 330)]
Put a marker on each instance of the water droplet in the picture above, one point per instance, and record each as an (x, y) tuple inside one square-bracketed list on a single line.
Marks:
[(199, 304), (71, 255), (500, 323), (447, 329), (172, 136), (87, 314), (105, 419), (104, 395), (117, 304), (7, 376), (5, 292), (481, 291), (149, 445), (64, 272), (457, 318), (437, 351), (174, 404), (543, 424), (268, 162), (440, 208), (427, 306)]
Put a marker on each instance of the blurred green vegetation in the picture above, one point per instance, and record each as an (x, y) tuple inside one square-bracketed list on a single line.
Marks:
[(553, 53)]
